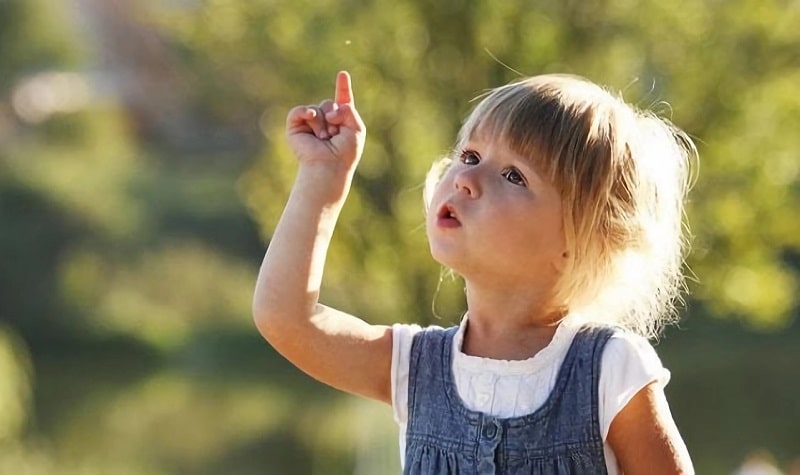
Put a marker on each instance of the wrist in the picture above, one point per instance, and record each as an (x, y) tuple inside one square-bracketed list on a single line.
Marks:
[(327, 183)]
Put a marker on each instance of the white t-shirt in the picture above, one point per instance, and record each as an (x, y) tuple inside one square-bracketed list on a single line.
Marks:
[(516, 388)]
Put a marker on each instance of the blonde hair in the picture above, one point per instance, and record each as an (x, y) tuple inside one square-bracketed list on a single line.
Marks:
[(622, 174)]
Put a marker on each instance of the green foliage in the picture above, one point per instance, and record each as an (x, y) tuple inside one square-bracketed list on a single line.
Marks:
[(416, 65), (129, 244), (15, 393), (33, 37)]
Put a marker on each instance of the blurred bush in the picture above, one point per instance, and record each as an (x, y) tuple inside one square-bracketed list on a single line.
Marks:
[(143, 167)]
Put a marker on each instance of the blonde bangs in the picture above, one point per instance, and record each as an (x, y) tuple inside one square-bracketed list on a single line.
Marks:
[(512, 114)]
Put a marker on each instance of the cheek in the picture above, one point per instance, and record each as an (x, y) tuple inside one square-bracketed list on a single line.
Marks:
[(433, 181), (433, 199), (434, 193), (542, 230)]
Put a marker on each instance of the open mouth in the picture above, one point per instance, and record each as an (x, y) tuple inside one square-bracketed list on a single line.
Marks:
[(446, 217)]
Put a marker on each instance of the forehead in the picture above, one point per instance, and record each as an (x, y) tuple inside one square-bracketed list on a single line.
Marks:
[(519, 134), (517, 112)]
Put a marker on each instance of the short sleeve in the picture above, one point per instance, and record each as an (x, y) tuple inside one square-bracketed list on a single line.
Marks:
[(629, 363), (402, 338)]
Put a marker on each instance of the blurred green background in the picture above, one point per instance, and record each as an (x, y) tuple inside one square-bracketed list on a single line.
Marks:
[(143, 167)]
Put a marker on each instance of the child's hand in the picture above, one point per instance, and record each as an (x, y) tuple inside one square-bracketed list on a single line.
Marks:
[(330, 134)]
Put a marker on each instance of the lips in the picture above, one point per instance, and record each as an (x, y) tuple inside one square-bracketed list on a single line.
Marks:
[(446, 217)]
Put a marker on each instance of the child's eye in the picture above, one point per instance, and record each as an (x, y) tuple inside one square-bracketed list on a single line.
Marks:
[(470, 157), (514, 176)]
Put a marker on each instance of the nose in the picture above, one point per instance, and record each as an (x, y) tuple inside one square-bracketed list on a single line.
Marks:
[(466, 181)]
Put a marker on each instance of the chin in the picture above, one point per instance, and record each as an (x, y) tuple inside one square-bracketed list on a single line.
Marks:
[(447, 258), (439, 254)]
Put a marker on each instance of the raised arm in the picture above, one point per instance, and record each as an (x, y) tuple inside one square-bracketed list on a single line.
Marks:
[(331, 346)]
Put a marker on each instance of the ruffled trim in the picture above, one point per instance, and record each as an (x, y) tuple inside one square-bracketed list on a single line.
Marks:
[(544, 359)]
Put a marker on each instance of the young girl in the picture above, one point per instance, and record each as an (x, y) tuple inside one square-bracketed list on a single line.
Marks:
[(561, 208)]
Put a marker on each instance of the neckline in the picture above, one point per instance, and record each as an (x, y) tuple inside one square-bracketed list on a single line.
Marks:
[(455, 400), (562, 337)]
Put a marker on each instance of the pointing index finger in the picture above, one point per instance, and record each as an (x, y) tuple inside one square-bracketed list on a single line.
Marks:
[(344, 89)]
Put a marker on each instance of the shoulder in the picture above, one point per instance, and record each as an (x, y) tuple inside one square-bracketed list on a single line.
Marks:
[(629, 363), (620, 346), (402, 339), (627, 353), (589, 340), (403, 336), (402, 332)]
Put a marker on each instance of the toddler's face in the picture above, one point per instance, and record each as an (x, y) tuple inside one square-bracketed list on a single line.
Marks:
[(492, 216)]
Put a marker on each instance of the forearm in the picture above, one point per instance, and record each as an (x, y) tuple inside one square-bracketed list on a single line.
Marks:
[(332, 346), (288, 284)]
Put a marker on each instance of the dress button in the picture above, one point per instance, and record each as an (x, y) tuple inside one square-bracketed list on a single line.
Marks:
[(489, 431)]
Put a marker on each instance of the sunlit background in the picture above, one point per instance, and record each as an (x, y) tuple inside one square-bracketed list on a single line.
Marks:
[(143, 167)]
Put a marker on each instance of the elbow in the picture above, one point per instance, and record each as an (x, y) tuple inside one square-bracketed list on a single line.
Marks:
[(277, 315), (275, 322), (263, 318), (278, 329)]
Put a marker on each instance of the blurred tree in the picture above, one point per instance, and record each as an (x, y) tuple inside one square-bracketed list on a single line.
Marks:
[(127, 256), (15, 393), (416, 64), (32, 39), (116, 261)]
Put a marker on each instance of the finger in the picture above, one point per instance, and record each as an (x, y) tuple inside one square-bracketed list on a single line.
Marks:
[(307, 119), (344, 88), (329, 108), (320, 125), (333, 130), (299, 115), (347, 116)]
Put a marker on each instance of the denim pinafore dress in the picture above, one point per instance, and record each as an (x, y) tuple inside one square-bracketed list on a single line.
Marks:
[(561, 437)]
